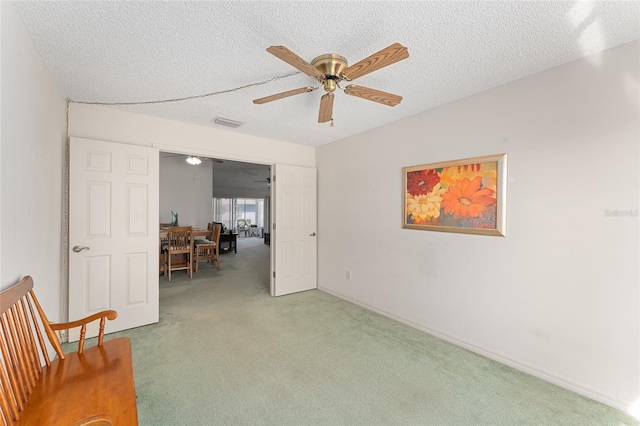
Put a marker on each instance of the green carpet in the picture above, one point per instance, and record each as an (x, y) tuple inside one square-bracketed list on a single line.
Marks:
[(226, 353)]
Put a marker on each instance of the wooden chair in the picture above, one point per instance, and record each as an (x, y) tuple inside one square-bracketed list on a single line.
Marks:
[(163, 241), (209, 249), (179, 242), (73, 389)]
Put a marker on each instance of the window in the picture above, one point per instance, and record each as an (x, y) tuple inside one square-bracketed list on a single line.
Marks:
[(228, 210), (223, 211)]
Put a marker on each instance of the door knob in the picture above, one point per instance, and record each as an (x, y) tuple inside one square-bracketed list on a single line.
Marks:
[(78, 249), (312, 234)]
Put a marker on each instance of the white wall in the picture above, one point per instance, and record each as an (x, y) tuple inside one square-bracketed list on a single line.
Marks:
[(559, 295), (109, 124), (31, 167), (186, 189)]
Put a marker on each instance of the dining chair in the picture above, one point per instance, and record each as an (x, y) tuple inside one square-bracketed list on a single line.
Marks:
[(163, 241), (179, 242), (209, 249)]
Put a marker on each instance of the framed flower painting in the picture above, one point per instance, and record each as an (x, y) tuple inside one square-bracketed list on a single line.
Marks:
[(465, 196)]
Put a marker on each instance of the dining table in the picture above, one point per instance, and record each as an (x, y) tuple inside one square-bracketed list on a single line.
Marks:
[(195, 232), (163, 235)]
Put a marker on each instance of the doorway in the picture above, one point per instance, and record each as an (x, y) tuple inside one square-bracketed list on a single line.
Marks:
[(293, 247), (216, 190)]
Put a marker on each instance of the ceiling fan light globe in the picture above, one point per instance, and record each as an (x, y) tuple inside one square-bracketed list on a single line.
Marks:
[(193, 160), (330, 86)]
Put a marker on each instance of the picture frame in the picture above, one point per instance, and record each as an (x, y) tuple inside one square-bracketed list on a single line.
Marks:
[(464, 196)]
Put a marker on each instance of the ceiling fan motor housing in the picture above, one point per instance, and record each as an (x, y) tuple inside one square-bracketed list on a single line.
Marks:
[(331, 65)]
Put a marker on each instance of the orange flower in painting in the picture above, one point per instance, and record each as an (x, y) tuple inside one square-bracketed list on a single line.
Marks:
[(465, 198)]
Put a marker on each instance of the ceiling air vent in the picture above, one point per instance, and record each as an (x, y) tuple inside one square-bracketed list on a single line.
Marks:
[(227, 122)]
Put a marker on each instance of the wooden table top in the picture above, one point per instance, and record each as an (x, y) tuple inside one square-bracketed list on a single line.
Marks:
[(196, 232)]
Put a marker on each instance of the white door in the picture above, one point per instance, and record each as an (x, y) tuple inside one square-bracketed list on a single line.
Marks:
[(293, 233), (113, 233)]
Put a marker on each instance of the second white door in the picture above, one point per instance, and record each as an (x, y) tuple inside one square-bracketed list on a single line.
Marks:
[(294, 230)]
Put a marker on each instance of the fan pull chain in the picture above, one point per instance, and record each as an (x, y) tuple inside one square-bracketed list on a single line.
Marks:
[(331, 125)]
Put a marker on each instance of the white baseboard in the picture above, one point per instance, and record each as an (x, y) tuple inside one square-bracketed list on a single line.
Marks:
[(541, 374)]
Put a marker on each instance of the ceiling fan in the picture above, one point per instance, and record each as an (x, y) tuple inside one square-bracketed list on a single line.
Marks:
[(331, 69)]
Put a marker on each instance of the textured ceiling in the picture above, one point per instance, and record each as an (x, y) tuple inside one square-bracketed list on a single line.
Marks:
[(140, 51)]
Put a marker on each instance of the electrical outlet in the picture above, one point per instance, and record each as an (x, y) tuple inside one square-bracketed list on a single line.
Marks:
[(348, 274)]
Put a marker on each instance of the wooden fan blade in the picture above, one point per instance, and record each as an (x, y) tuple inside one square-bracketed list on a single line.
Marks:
[(295, 61), (387, 56), (326, 108), (283, 95), (374, 95)]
